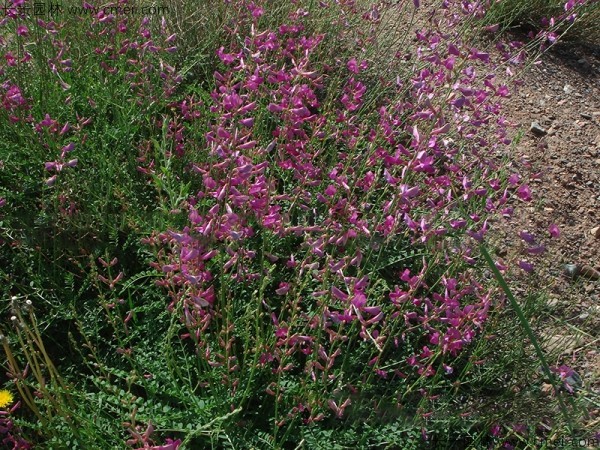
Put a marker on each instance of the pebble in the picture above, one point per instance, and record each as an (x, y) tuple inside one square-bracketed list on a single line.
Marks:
[(568, 89), (589, 288), (575, 271), (553, 342), (589, 272), (552, 303), (586, 116), (571, 270), (595, 232), (537, 129)]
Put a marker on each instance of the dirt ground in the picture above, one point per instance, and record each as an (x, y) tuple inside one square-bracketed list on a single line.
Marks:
[(562, 94)]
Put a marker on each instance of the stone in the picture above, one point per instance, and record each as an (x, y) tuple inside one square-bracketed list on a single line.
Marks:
[(586, 116), (589, 288), (571, 270), (589, 272), (576, 271), (547, 389), (595, 232), (553, 303), (560, 344), (537, 129)]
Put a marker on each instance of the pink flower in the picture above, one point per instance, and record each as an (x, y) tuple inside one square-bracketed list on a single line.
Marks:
[(554, 231), (169, 445), (524, 193), (283, 288), (527, 237), (495, 431), (526, 266), (68, 148), (355, 67), (537, 250)]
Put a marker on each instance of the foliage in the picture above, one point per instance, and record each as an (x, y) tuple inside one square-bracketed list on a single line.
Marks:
[(250, 226), (581, 18)]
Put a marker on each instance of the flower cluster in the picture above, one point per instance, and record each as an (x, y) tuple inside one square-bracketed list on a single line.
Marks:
[(298, 201), (9, 432)]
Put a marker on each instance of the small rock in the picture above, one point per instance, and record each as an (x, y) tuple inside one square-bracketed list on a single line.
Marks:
[(568, 89), (571, 270), (552, 303), (573, 381), (575, 271), (547, 389), (586, 116), (595, 232), (560, 344), (589, 288), (537, 129), (589, 272)]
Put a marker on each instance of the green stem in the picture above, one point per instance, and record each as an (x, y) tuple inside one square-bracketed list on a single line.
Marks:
[(530, 334)]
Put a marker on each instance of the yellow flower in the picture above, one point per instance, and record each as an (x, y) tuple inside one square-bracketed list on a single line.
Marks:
[(6, 398)]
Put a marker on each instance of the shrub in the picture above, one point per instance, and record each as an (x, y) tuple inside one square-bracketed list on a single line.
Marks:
[(309, 193)]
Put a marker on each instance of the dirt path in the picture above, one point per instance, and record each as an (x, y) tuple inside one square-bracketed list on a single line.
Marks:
[(562, 94)]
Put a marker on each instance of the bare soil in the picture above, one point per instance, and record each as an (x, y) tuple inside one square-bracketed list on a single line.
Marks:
[(562, 94)]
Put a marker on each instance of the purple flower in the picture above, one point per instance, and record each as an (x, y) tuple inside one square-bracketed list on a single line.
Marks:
[(527, 237), (554, 231), (68, 148), (339, 294), (495, 430), (48, 121), (526, 266), (537, 250), (352, 65), (225, 57), (524, 193), (514, 179), (283, 288)]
